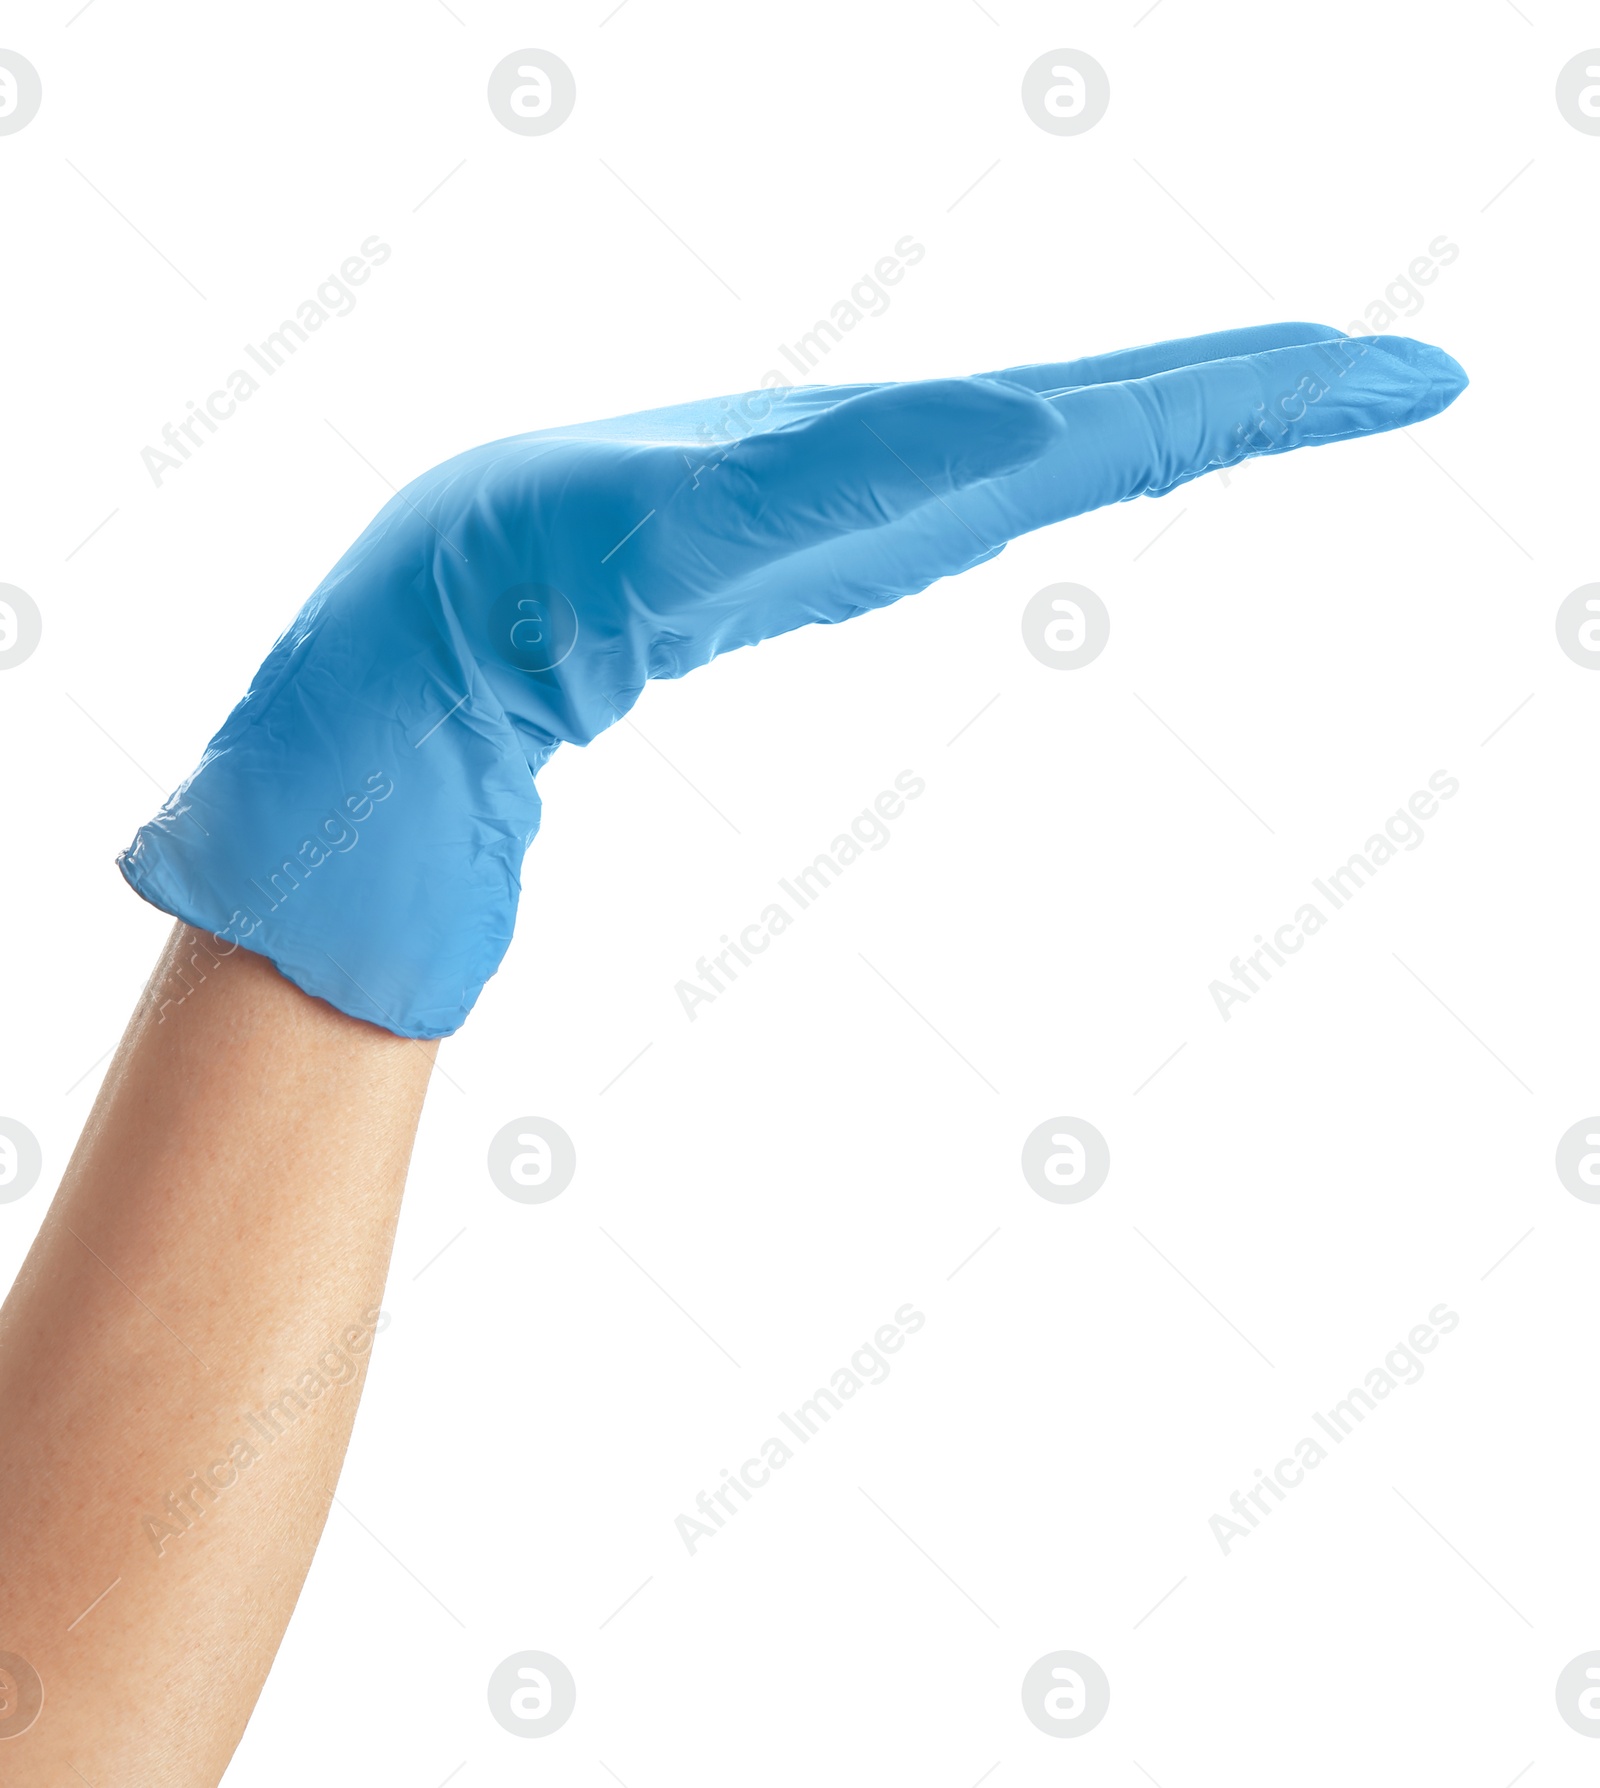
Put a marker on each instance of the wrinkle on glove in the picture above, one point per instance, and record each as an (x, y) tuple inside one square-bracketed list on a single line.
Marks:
[(362, 816)]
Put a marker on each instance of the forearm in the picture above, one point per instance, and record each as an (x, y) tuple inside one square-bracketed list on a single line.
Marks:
[(220, 1238)]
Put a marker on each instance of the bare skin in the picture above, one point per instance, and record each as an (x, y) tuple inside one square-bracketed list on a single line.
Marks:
[(221, 1236)]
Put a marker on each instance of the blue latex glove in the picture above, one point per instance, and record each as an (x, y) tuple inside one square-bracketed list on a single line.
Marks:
[(362, 816)]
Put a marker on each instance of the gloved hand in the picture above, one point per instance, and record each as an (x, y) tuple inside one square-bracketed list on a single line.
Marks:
[(362, 816)]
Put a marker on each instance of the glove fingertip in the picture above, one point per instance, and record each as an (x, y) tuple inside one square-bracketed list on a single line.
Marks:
[(1011, 427), (1445, 375)]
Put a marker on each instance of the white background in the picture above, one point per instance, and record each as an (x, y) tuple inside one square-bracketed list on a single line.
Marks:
[(1299, 651)]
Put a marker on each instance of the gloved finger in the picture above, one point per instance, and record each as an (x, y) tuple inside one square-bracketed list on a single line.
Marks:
[(1164, 356), (857, 465), (1142, 437), (1122, 441)]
